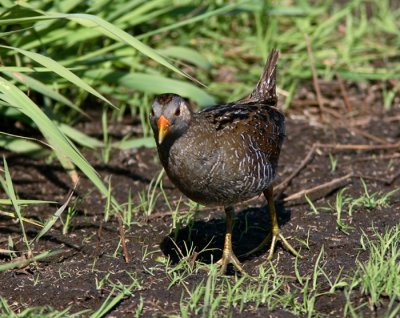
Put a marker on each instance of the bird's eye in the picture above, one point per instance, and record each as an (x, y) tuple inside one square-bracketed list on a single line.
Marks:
[(152, 113), (178, 111)]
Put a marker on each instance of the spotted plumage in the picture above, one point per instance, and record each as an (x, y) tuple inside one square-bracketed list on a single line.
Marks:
[(226, 153), (230, 156)]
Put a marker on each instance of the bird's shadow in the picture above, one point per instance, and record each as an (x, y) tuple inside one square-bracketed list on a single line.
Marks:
[(206, 238)]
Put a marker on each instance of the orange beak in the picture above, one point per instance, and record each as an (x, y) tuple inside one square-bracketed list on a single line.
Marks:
[(163, 128)]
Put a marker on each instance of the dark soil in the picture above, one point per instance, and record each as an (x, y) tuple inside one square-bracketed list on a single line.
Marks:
[(69, 279)]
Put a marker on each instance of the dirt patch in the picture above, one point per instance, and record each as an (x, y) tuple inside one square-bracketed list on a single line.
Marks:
[(91, 247)]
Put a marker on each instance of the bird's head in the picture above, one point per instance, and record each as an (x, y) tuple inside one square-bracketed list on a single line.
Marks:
[(170, 116)]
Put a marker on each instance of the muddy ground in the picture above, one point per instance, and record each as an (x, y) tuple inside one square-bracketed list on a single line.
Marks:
[(69, 279)]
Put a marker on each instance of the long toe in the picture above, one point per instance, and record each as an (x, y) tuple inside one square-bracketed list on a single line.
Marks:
[(285, 244), (228, 257)]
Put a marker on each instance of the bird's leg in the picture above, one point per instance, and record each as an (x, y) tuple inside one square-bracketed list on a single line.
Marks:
[(274, 234), (227, 254), (269, 195)]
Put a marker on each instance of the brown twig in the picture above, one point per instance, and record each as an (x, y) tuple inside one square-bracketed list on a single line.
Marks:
[(4, 239), (161, 215), (358, 147), (122, 238), (99, 233), (320, 190), (315, 77), (169, 213), (367, 135), (382, 157), (392, 118), (343, 91), (392, 178), (99, 238), (284, 184), (6, 252), (386, 181)]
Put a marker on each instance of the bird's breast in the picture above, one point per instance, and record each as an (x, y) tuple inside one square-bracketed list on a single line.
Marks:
[(216, 171)]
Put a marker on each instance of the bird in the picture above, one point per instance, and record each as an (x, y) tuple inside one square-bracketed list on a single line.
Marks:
[(226, 153)]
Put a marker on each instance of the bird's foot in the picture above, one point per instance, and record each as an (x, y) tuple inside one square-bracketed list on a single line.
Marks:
[(275, 236), (228, 257)]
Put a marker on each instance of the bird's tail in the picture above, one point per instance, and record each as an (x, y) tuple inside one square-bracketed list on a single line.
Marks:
[(265, 90)]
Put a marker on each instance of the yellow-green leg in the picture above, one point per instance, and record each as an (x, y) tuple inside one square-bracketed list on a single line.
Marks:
[(228, 257), (275, 234)]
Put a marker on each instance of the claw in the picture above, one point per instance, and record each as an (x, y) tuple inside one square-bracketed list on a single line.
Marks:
[(285, 244), (275, 234), (228, 257)]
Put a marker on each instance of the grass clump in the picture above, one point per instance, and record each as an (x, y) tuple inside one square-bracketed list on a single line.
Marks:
[(376, 200), (345, 204), (380, 275), (264, 291), (6, 311), (27, 254), (223, 296)]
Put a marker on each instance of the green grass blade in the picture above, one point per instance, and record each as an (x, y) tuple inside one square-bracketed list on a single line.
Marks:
[(9, 189), (25, 202), (79, 137), (17, 145), (119, 35), (58, 69), (41, 88), (108, 304), (26, 220), (24, 262), (53, 219), (61, 145), (204, 16), (186, 54), (147, 142), (154, 84)]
